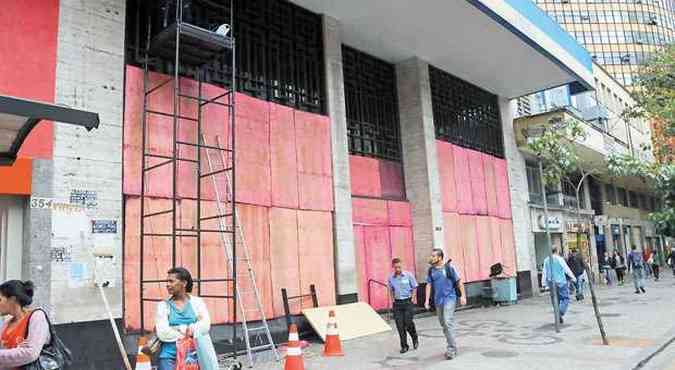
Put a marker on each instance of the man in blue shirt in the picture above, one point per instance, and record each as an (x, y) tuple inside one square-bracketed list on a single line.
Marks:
[(636, 263), (556, 272), (403, 285), (447, 283)]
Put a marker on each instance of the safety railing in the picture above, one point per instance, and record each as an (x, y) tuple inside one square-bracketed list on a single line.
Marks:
[(388, 310)]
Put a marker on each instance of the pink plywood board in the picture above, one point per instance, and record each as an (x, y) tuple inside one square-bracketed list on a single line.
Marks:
[(285, 257), (399, 213), (508, 247), (463, 181), (468, 232), (365, 176), (478, 192), (369, 211), (361, 272), (253, 173), (453, 240), (495, 234), (133, 111), (315, 192), (284, 167), (446, 171), (378, 253), (315, 235), (485, 252), (490, 185), (503, 192), (402, 246), (312, 138), (391, 177), (251, 108)]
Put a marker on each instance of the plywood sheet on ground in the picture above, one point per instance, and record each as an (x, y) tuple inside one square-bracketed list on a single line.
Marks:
[(369, 211), (378, 254), (478, 192), (285, 259), (503, 191), (284, 166), (354, 320), (490, 185), (399, 213), (391, 176), (315, 245), (446, 171), (463, 181), (365, 176)]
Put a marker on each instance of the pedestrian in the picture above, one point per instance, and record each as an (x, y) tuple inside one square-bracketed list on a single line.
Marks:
[(654, 261), (403, 286), (556, 272), (605, 266), (448, 287), (26, 331), (578, 267), (620, 268), (646, 256), (179, 317), (671, 259), (636, 264)]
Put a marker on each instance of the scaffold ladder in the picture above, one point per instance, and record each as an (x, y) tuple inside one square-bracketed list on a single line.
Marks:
[(260, 332)]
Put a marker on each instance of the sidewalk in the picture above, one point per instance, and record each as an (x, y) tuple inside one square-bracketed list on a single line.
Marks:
[(523, 337)]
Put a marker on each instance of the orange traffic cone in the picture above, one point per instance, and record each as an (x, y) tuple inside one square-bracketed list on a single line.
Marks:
[(142, 360), (294, 360), (333, 346)]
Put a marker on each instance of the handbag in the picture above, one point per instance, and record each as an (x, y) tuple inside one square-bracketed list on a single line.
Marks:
[(152, 346), (54, 355), (186, 354), (208, 360)]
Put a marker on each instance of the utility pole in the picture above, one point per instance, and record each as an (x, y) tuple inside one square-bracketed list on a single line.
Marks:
[(553, 287)]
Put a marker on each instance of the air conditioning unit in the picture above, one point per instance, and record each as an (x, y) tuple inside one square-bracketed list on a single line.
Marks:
[(625, 59)]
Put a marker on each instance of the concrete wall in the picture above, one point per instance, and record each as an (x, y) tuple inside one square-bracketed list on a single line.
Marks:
[(90, 76)]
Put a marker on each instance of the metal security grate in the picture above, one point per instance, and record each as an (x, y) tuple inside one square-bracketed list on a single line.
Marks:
[(465, 114), (279, 47), (372, 105)]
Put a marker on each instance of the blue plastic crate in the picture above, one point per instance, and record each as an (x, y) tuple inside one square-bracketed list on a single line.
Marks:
[(504, 290)]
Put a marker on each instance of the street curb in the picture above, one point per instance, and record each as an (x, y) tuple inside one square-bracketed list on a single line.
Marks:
[(648, 354)]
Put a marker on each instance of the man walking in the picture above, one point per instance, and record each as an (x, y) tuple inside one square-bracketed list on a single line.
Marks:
[(555, 272), (578, 266), (403, 285), (636, 263), (448, 287)]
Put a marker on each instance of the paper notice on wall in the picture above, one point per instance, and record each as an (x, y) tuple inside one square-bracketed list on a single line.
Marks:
[(78, 275), (105, 271)]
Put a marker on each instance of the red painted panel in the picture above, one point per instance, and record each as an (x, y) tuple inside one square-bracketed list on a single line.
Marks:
[(508, 248), (312, 138), (468, 232), (446, 172), (402, 246), (391, 176), (365, 176), (463, 181), (284, 167), (285, 258), (378, 254), (17, 178), (131, 148), (453, 240), (254, 183), (361, 272), (490, 185), (478, 192), (28, 42), (400, 213), (315, 235), (369, 211), (495, 234), (503, 192), (485, 254)]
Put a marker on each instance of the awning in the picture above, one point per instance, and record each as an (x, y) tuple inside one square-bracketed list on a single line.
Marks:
[(18, 117), (508, 47)]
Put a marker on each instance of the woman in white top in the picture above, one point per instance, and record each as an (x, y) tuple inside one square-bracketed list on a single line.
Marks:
[(182, 315)]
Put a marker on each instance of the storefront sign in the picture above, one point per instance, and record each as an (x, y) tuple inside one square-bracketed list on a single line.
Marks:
[(104, 226), (575, 227), (554, 222)]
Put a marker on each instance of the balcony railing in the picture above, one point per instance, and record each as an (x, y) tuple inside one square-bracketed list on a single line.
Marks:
[(553, 200), (570, 201)]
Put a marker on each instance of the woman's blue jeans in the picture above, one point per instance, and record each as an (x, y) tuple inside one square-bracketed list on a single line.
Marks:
[(167, 364)]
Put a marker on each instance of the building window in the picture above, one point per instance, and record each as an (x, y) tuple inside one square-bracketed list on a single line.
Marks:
[(372, 105), (634, 200), (279, 47), (465, 114), (534, 184), (623, 196)]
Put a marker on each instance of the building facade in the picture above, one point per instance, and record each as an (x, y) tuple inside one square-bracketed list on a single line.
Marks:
[(359, 139), (619, 34)]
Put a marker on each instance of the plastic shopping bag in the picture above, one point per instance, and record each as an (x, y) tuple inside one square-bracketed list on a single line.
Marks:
[(186, 354), (208, 360)]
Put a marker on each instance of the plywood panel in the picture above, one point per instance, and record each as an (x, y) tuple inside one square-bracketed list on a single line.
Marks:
[(453, 240), (284, 166), (315, 235), (253, 175), (485, 254), (369, 211), (399, 213), (354, 320), (463, 181), (402, 246), (468, 232), (361, 272), (378, 254), (503, 192), (285, 257), (478, 192), (315, 192), (446, 171), (391, 175), (508, 248), (365, 176), (312, 137), (495, 234), (490, 185)]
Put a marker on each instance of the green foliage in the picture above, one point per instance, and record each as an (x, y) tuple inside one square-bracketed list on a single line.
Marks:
[(555, 148)]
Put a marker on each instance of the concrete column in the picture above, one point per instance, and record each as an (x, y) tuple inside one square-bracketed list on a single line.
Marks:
[(345, 255), (522, 224), (420, 161)]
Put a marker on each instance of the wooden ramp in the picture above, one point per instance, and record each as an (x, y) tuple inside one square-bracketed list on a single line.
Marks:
[(354, 320)]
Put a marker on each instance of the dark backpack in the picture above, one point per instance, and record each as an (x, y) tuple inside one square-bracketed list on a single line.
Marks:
[(448, 275)]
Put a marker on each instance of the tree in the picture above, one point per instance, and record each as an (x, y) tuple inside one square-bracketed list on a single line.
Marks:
[(559, 162)]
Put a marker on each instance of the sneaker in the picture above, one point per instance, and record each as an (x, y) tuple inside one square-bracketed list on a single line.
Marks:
[(637, 292), (404, 350), (416, 343), (451, 355), (643, 290), (561, 320)]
